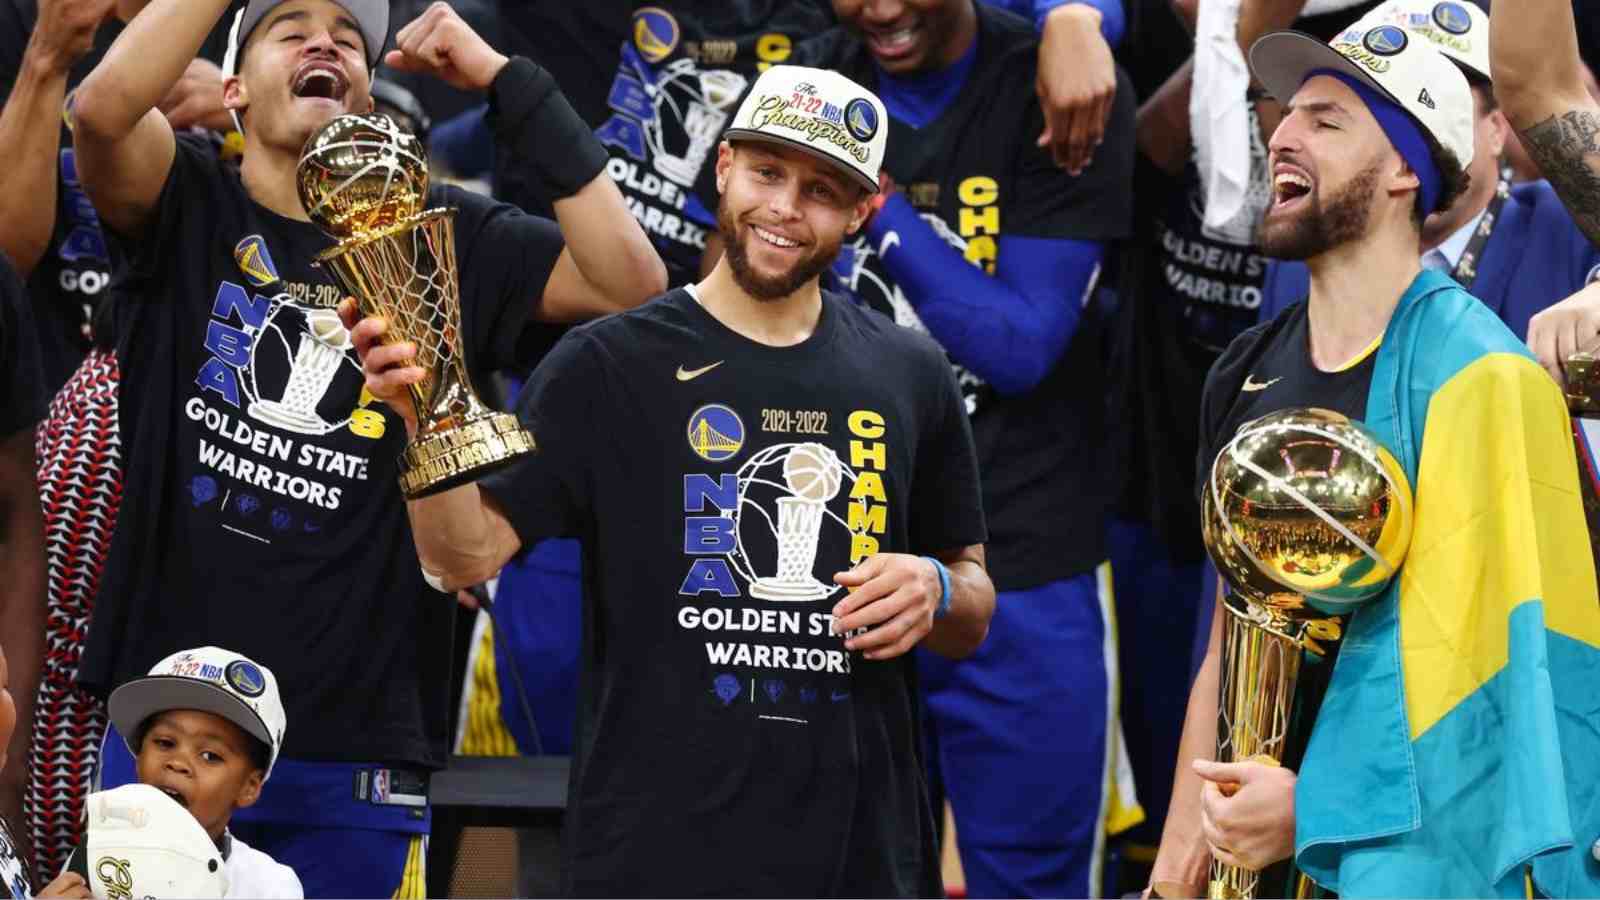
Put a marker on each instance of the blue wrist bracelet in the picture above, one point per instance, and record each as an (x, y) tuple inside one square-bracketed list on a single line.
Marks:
[(944, 585)]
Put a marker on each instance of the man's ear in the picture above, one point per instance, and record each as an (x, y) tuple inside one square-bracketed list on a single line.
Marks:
[(250, 791), (724, 165), (1404, 180), (859, 215), (234, 95), (1500, 130)]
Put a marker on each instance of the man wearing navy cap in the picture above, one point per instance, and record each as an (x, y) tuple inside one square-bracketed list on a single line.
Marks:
[(1433, 755)]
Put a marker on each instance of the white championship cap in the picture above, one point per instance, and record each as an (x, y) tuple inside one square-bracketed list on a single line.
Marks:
[(1383, 57), (1459, 30), (210, 679), (820, 112), (138, 842)]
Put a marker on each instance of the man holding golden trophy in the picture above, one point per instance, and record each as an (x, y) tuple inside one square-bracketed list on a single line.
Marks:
[(1398, 679)]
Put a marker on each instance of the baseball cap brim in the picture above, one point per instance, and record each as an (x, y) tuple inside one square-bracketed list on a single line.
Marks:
[(855, 175), (1283, 59), (138, 700)]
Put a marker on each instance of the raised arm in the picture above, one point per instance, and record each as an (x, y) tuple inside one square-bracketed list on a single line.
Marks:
[(1538, 79), (125, 146), (30, 125), (608, 264)]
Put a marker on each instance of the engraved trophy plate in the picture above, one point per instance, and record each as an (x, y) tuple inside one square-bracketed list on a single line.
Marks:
[(1306, 516), (364, 181)]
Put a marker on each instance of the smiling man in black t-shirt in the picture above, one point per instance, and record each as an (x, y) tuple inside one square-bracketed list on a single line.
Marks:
[(258, 509), (752, 466)]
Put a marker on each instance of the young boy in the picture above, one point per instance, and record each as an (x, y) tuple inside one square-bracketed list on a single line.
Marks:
[(205, 727)]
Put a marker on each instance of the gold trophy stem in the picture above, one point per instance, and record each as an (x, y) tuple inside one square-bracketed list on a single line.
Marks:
[(1254, 706)]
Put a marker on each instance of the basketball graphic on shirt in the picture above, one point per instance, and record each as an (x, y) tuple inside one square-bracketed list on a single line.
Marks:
[(782, 511), (812, 472)]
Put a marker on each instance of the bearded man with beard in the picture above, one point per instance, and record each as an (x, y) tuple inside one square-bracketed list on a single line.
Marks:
[(1443, 704), (777, 498)]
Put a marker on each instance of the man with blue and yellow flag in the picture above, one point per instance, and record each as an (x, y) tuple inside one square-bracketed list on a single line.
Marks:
[(1454, 730)]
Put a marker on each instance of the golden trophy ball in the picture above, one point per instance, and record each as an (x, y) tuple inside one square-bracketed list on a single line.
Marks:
[(364, 181)]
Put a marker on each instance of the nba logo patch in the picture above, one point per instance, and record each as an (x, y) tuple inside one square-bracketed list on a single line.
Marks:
[(715, 433), (655, 33)]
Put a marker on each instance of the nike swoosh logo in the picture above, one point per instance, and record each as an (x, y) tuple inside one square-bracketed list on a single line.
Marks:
[(836, 696), (892, 239), (1251, 385), (692, 374)]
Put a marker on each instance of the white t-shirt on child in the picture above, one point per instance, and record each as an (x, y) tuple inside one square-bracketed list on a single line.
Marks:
[(252, 873)]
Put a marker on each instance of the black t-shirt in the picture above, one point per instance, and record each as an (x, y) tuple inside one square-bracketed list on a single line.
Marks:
[(727, 744), (1185, 295), (1042, 453), (22, 394), (658, 81), (74, 275), (1266, 369), (260, 510)]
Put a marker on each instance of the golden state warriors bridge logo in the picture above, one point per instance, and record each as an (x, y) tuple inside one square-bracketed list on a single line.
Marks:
[(716, 433), (655, 33)]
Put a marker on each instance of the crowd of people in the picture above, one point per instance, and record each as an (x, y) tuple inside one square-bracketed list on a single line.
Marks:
[(875, 352)]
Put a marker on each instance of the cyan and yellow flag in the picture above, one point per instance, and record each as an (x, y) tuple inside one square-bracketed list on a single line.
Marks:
[(1458, 747)]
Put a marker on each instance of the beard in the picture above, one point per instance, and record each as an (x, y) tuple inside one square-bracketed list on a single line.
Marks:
[(1317, 229), (767, 288)]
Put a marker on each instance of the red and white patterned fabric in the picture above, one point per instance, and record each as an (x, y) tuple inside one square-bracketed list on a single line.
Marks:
[(80, 486)]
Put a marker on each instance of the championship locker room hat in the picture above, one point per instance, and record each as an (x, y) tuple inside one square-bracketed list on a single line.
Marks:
[(1456, 28), (1394, 73), (210, 679), (138, 842), (819, 112)]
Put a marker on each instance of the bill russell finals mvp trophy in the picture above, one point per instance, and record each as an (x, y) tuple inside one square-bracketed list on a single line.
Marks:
[(1306, 515), (364, 181)]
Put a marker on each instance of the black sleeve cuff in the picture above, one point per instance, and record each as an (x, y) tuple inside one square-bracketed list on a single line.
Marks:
[(540, 132)]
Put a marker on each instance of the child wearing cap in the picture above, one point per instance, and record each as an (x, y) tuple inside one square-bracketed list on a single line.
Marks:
[(205, 727)]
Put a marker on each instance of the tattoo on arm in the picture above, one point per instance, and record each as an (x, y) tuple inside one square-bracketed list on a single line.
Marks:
[(1567, 150)]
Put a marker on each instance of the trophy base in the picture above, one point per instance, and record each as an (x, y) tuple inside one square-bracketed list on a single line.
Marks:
[(446, 459), (789, 591), (274, 413)]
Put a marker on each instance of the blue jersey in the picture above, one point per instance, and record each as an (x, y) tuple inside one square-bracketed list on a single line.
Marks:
[(1534, 258)]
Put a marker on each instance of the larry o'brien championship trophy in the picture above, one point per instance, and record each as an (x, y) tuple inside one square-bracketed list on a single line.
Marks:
[(365, 182), (1306, 516), (1583, 402)]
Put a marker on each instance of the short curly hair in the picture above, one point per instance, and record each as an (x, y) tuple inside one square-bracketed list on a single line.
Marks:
[(1454, 179)]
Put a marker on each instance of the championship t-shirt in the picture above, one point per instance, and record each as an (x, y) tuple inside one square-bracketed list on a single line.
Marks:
[(658, 82), (1266, 369), (727, 743), (22, 393), (976, 176), (1185, 293), (260, 508)]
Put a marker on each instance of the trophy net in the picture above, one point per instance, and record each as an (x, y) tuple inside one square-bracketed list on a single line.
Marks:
[(799, 523), (406, 273)]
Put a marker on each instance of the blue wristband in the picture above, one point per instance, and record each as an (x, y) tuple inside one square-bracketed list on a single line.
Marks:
[(944, 585)]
